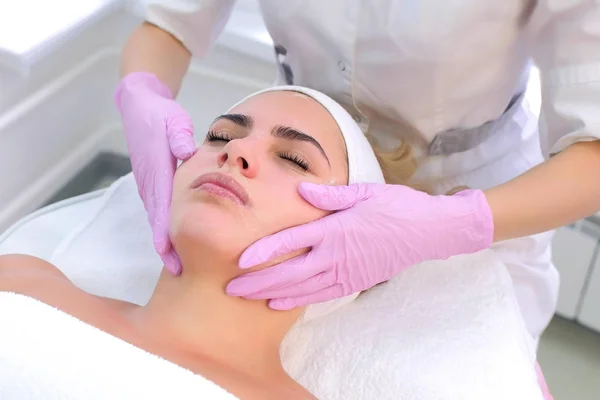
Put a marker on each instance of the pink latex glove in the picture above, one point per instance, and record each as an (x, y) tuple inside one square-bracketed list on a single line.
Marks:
[(157, 130), (380, 231)]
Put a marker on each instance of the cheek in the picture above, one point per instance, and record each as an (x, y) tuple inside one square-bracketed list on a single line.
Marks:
[(281, 206), (203, 161), (205, 158)]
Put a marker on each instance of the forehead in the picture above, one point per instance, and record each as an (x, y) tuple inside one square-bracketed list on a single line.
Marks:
[(303, 113)]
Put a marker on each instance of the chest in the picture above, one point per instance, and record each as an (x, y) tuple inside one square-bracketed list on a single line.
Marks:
[(440, 65), (423, 27)]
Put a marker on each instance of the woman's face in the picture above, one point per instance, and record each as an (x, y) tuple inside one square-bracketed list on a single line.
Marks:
[(242, 184)]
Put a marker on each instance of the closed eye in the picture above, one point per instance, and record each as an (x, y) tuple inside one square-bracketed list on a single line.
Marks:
[(214, 136), (295, 159)]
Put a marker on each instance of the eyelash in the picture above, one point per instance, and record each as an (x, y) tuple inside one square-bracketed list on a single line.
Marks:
[(294, 158), (213, 136)]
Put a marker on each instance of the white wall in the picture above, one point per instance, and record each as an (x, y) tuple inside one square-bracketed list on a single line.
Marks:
[(55, 119)]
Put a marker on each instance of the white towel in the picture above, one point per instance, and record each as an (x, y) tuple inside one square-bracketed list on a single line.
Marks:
[(47, 354), (441, 330)]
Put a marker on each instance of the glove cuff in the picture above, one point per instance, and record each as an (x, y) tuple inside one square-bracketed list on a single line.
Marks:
[(137, 82), (482, 219)]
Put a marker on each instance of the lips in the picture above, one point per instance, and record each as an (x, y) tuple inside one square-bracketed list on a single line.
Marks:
[(222, 185)]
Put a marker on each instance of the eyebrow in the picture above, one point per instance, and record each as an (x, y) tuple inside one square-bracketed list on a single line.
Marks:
[(279, 131), (245, 121)]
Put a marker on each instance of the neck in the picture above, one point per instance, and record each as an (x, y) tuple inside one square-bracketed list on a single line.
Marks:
[(193, 313)]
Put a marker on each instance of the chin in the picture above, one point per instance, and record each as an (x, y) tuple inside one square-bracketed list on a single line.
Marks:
[(212, 229)]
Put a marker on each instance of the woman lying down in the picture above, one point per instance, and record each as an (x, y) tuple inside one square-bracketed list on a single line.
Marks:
[(241, 185)]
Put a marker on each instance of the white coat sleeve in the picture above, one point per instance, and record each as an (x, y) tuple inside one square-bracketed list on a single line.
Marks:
[(195, 23), (566, 49)]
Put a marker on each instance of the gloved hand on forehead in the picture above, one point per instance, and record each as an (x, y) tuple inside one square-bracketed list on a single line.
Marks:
[(158, 131), (378, 231)]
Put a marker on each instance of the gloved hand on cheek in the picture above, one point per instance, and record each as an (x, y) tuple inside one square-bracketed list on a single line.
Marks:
[(378, 231)]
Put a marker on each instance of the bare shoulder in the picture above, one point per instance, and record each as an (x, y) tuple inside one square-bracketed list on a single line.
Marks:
[(17, 267), (33, 277)]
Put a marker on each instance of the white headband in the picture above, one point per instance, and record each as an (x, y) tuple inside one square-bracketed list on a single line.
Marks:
[(362, 167)]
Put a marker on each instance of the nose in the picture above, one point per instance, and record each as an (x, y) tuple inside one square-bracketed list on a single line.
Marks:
[(239, 154)]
